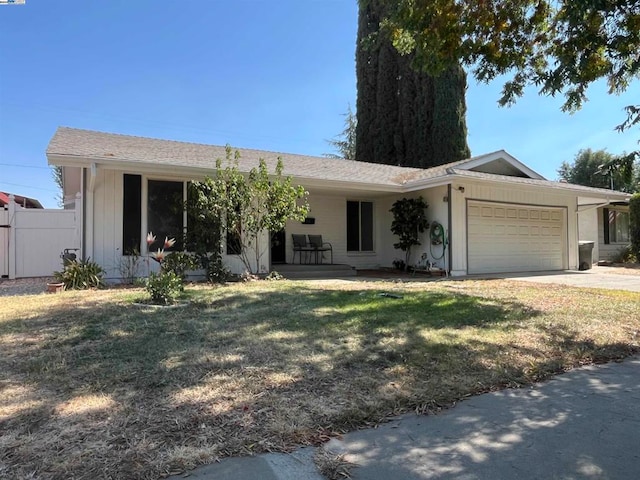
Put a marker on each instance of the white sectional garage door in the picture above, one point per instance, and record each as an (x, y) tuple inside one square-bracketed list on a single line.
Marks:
[(514, 238)]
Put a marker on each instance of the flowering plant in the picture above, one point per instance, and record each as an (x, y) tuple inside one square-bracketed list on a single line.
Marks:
[(163, 287), (159, 255)]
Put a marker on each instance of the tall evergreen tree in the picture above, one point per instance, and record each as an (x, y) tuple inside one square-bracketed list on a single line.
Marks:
[(405, 116)]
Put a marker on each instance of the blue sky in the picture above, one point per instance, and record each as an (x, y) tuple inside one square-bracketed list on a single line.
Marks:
[(267, 74)]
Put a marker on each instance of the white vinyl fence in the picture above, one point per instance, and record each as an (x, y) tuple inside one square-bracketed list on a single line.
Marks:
[(31, 240)]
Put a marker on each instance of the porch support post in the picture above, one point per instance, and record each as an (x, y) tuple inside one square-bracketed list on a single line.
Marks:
[(88, 210)]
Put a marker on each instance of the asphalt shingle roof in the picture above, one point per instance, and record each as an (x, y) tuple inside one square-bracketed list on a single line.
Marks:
[(110, 147), (115, 147)]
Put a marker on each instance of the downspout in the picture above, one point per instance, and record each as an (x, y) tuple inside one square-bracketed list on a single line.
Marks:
[(90, 209), (448, 236), (83, 232)]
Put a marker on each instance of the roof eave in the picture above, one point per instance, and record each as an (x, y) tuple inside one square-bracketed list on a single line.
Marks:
[(193, 172), (557, 187)]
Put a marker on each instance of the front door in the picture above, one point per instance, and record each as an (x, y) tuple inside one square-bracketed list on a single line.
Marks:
[(278, 247)]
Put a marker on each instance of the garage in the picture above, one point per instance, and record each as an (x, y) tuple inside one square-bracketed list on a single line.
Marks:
[(515, 238)]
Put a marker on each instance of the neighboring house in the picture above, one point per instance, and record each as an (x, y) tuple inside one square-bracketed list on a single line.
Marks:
[(499, 215), (24, 202)]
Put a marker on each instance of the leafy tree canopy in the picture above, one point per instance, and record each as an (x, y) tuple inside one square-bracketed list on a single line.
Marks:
[(601, 169), (561, 46), (249, 205), (58, 178)]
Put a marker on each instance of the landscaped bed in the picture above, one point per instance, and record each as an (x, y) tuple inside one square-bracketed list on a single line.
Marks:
[(92, 386)]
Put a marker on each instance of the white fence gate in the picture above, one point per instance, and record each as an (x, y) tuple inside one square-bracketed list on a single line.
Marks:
[(36, 237)]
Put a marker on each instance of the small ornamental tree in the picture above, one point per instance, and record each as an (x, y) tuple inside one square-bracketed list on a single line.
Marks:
[(251, 205), (634, 221), (409, 221)]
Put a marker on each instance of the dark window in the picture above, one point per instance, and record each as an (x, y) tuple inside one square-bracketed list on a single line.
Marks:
[(366, 226), (165, 212), (359, 226), (616, 226), (234, 244), (131, 214), (353, 226)]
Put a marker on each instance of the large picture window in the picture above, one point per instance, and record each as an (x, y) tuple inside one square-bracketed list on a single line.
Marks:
[(203, 229), (165, 211), (359, 226), (616, 226)]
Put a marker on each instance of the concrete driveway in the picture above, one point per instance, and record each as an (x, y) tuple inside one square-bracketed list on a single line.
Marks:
[(598, 277)]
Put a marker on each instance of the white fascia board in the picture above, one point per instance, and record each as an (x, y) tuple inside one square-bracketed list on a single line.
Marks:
[(501, 155), (430, 183), (344, 185), (559, 188)]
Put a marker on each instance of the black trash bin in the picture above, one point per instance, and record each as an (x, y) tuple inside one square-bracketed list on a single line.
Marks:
[(585, 255)]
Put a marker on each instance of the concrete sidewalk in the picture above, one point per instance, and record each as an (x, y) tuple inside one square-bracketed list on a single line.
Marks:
[(581, 425)]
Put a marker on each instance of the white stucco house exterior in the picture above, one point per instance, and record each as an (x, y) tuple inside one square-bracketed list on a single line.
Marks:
[(499, 215)]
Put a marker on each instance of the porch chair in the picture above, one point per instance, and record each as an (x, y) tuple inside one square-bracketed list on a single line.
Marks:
[(301, 246), (320, 247)]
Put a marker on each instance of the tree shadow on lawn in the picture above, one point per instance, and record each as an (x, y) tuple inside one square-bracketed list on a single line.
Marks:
[(237, 373), (578, 424)]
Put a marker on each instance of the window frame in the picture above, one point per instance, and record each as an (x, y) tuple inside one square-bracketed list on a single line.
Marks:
[(361, 226), (611, 227)]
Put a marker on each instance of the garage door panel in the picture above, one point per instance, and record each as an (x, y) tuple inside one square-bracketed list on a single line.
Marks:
[(511, 239)]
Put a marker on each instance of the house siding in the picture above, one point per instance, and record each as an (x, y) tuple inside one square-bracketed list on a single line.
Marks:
[(106, 238), (588, 229), (107, 225), (330, 214), (329, 210)]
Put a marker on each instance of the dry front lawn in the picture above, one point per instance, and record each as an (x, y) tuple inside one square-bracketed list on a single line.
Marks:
[(92, 386)]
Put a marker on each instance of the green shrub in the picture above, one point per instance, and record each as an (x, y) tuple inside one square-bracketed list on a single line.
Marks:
[(217, 271), (624, 255), (80, 275), (180, 263), (634, 220), (274, 276), (164, 287)]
